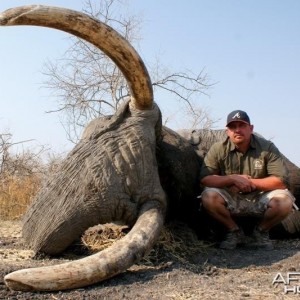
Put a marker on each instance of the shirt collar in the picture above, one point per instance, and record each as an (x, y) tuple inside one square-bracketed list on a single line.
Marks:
[(232, 145)]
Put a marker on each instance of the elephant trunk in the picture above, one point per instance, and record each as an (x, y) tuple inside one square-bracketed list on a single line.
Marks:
[(95, 32), (100, 266)]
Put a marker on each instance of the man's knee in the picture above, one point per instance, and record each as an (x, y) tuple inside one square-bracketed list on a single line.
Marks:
[(281, 203), (211, 199)]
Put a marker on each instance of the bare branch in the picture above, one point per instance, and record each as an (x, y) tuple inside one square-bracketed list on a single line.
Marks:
[(18, 163), (87, 84)]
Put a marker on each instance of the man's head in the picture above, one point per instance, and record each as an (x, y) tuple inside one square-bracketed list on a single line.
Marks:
[(238, 115), (239, 129)]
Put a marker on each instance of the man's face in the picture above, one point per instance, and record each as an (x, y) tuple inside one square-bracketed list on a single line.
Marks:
[(239, 132)]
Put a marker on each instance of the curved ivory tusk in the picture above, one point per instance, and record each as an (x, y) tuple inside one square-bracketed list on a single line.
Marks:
[(143, 235), (105, 264), (95, 32)]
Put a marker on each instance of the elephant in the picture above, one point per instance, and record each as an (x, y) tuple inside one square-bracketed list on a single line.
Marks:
[(110, 175), (126, 168)]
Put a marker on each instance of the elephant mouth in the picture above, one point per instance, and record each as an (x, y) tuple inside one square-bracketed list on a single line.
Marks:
[(145, 232)]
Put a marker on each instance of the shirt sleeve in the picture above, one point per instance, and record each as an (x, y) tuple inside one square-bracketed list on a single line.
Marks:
[(210, 165), (276, 165)]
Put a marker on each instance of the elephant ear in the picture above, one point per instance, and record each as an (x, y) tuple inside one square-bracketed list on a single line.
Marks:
[(97, 33), (146, 230)]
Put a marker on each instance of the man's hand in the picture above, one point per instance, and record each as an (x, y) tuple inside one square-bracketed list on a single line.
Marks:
[(236, 182), (241, 183)]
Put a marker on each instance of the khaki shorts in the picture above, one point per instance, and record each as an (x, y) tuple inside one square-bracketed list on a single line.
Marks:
[(251, 204)]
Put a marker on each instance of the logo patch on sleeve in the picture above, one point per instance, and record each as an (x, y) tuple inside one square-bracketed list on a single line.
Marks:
[(258, 164)]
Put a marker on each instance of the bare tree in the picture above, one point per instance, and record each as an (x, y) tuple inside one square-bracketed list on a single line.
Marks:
[(19, 163), (21, 172), (87, 84), (4, 150)]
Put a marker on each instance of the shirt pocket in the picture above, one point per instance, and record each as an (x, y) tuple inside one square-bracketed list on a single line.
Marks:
[(228, 168)]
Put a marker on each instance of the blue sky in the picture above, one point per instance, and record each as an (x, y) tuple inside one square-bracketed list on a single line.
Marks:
[(250, 48)]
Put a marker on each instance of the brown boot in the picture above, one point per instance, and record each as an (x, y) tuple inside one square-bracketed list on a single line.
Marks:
[(233, 238), (261, 239)]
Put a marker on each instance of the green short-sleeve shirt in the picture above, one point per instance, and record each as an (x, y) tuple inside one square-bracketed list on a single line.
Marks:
[(262, 159)]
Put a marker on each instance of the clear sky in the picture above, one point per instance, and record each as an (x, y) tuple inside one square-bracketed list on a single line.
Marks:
[(250, 48)]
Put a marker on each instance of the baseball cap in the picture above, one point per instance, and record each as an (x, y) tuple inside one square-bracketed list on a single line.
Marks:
[(238, 115)]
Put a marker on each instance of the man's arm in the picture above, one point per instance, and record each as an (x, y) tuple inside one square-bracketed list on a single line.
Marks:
[(243, 183), (236, 182), (268, 183)]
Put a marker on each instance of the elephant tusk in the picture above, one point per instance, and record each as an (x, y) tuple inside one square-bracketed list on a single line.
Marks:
[(125, 252), (97, 33), (100, 266)]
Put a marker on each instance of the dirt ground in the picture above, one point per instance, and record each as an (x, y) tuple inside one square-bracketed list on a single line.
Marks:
[(210, 273)]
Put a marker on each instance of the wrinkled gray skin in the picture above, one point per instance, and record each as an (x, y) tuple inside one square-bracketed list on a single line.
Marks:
[(202, 139), (107, 177)]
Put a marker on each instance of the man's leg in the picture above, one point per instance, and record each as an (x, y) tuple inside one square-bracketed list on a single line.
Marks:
[(215, 205), (278, 208)]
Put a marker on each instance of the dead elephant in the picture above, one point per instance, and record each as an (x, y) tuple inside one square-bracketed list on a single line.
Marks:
[(111, 175)]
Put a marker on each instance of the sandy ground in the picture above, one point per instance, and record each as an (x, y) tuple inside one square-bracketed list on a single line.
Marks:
[(210, 273)]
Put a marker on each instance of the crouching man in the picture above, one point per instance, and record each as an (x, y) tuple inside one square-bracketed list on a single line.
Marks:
[(245, 169)]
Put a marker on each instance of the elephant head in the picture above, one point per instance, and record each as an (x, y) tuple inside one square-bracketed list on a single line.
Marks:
[(110, 175)]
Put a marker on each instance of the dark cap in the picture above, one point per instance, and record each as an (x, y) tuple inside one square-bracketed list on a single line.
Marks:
[(238, 115)]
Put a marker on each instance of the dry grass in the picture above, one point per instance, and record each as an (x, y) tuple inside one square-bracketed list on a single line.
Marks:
[(16, 193), (177, 242)]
